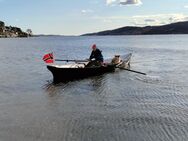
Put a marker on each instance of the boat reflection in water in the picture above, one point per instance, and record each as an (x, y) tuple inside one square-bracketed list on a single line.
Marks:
[(95, 84)]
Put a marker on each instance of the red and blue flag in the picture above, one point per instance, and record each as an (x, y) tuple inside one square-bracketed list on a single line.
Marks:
[(49, 58)]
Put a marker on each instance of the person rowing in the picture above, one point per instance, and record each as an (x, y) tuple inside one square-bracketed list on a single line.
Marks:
[(96, 57)]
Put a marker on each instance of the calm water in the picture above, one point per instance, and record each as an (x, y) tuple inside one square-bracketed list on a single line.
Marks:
[(120, 106)]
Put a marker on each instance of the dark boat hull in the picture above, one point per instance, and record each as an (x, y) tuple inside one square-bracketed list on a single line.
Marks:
[(69, 74)]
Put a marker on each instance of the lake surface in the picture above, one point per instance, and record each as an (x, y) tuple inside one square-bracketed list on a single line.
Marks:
[(120, 106)]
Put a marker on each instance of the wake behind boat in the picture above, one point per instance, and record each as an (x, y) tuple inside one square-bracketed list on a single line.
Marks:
[(79, 70)]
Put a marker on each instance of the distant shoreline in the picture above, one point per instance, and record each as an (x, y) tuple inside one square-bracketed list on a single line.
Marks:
[(179, 28), (103, 35)]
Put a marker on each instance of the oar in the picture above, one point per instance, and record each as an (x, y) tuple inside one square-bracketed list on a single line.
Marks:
[(71, 60), (132, 70)]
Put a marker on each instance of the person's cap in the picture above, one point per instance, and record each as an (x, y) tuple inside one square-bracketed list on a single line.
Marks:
[(94, 46)]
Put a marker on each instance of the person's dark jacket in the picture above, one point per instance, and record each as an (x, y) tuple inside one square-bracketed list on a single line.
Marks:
[(97, 55)]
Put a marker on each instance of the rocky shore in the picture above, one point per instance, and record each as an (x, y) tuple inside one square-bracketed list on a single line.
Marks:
[(11, 32)]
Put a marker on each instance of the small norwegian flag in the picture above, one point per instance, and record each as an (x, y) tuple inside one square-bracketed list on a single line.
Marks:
[(49, 58)]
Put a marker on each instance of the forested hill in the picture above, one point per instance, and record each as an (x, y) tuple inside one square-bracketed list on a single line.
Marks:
[(10, 31), (174, 28)]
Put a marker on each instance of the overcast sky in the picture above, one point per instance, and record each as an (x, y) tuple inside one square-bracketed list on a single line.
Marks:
[(75, 17)]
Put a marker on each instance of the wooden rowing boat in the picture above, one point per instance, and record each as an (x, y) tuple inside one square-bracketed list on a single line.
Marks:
[(63, 73)]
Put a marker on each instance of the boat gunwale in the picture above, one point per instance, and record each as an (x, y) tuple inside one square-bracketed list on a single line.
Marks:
[(127, 60)]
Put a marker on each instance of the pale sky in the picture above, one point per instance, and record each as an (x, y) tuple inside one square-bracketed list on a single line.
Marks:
[(68, 17)]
